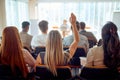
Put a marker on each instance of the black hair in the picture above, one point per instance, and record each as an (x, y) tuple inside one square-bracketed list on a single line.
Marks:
[(25, 24)]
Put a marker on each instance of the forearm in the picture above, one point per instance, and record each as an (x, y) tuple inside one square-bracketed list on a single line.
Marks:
[(75, 33)]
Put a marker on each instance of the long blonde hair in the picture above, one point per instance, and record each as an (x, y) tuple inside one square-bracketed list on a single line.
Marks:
[(54, 51), (11, 50)]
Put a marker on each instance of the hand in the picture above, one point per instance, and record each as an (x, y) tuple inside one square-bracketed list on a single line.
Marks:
[(72, 19)]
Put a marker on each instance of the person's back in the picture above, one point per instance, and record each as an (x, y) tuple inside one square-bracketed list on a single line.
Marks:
[(11, 51), (54, 55), (83, 40), (91, 38), (24, 36), (89, 35), (26, 39), (64, 28), (107, 54), (40, 40)]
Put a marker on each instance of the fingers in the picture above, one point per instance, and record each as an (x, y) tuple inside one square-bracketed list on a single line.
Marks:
[(72, 15), (72, 18)]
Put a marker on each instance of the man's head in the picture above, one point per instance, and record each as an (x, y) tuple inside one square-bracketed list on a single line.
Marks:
[(82, 25), (25, 26), (77, 25), (43, 25)]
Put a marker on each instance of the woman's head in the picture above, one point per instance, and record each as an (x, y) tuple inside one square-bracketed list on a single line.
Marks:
[(10, 37), (54, 51), (11, 49), (108, 30), (111, 44)]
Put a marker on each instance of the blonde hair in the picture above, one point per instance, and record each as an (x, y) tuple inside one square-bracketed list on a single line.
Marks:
[(11, 50), (54, 51)]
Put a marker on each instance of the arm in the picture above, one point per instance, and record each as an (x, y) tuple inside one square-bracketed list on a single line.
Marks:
[(74, 44), (28, 58)]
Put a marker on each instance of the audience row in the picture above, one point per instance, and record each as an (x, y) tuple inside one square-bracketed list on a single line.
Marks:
[(14, 54), (87, 39)]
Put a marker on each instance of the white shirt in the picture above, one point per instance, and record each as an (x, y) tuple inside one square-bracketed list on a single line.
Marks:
[(39, 40), (64, 27), (95, 56)]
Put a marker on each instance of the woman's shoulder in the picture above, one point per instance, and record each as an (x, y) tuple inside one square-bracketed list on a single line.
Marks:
[(25, 51), (97, 48)]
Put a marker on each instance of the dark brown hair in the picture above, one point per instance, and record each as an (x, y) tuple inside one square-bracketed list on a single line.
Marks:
[(82, 25), (111, 45), (43, 25), (25, 24), (77, 25)]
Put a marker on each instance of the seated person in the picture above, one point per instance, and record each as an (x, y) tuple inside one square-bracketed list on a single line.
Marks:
[(24, 36), (108, 54), (64, 28), (12, 52), (55, 56), (40, 40), (83, 40), (89, 35)]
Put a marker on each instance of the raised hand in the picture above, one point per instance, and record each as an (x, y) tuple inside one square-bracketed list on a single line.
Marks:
[(72, 19), (74, 44)]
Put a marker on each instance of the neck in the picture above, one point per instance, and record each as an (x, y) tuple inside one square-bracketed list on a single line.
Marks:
[(44, 32), (24, 31)]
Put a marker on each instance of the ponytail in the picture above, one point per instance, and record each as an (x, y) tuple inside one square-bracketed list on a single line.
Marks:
[(111, 46)]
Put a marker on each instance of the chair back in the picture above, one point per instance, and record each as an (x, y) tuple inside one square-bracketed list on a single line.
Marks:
[(6, 73), (98, 74), (42, 73), (37, 51), (80, 52)]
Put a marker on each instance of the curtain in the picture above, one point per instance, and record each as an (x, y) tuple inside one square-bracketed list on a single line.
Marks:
[(16, 12)]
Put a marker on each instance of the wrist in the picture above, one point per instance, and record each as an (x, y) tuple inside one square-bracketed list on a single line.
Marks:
[(73, 24)]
